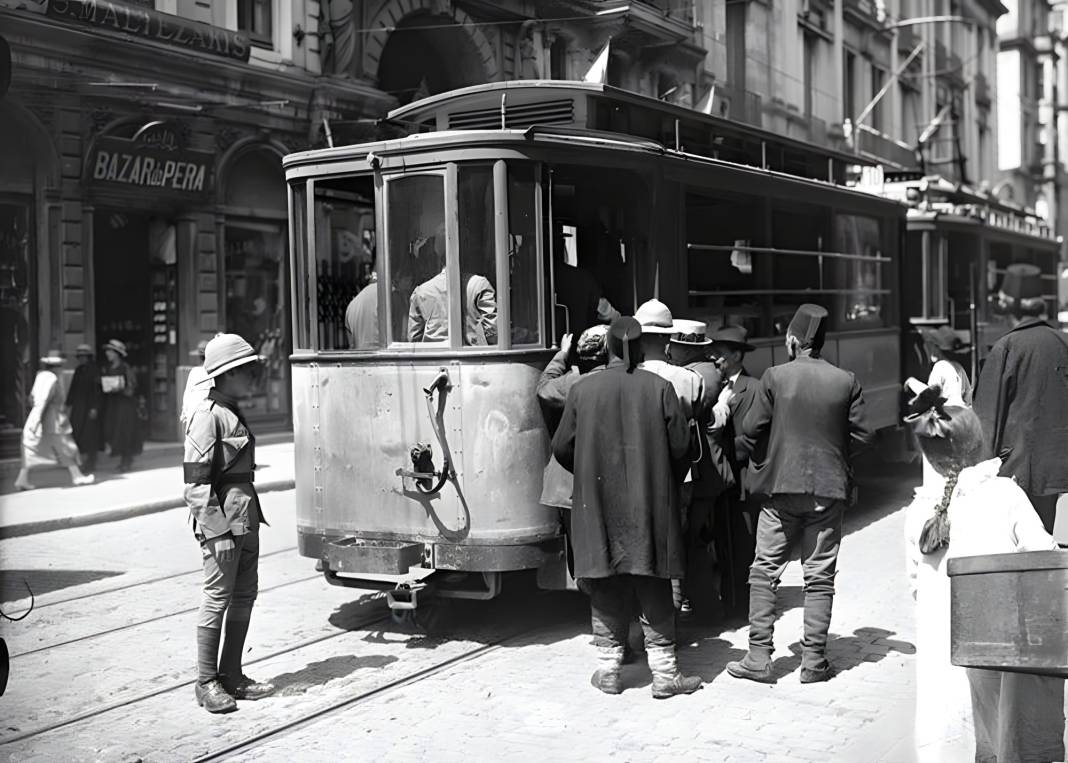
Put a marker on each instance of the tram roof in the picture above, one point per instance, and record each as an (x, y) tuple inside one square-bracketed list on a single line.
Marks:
[(397, 149), (604, 107)]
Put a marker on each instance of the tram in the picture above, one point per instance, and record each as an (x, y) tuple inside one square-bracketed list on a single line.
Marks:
[(420, 452)]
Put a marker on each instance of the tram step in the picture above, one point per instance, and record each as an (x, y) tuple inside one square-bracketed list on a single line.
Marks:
[(372, 556)]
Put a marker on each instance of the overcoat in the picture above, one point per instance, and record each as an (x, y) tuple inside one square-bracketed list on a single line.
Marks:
[(813, 415), (624, 437), (120, 423), (744, 389), (712, 474), (1022, 402), (84, 396)]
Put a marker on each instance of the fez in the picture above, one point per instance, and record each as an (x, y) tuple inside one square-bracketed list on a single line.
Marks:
[(622, 335), (809, 324), (1022, 281)]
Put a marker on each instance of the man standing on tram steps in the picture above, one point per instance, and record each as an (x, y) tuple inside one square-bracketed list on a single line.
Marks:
[(1022, 395), (813, 416), (219, 460), (624, 437)]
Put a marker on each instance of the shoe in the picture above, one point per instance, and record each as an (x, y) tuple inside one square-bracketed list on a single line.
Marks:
[(24, 486), (88, 479), (750, 669), (811, 676), (245, 688), (609, 683), (680, 684), (213, 697)]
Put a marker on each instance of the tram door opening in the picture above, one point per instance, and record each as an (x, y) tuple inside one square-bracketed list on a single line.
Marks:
[(136, 294)]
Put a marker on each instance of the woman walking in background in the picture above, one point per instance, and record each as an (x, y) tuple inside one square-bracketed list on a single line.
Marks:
[(84, 401), (121, 422), (46, 437)]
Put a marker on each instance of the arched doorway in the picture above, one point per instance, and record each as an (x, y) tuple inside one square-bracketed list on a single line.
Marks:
[(257, 272), (426, 54)]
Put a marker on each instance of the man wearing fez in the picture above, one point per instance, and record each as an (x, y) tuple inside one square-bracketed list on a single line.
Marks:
[(812, 414), (735, 512), (1022, 395), (624, 437)]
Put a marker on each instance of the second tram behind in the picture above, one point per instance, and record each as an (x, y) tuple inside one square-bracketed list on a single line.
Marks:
[(420, 453)]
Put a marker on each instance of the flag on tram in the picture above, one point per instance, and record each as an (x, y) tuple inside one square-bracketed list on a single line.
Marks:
[(598, 71)]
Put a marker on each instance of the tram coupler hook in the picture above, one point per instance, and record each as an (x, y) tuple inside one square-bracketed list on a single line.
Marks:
[(441, 383), (405, 595)]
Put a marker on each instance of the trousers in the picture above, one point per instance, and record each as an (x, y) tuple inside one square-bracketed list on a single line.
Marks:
[(816, 525), (230, 585), (612, 604)]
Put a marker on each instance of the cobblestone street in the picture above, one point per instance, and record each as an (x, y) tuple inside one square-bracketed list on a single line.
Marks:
[(103, 668)]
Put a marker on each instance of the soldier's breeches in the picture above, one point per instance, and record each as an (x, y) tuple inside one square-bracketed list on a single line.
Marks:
[(230, 587)]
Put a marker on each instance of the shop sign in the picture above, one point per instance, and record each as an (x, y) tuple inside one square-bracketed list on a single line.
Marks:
[(149, 24), (152, 159)]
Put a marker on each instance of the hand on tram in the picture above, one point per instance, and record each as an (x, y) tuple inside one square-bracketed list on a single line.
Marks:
[(222, 547), (565, 343)]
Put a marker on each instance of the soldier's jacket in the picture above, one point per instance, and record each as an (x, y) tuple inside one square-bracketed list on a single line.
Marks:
[(220, 455)]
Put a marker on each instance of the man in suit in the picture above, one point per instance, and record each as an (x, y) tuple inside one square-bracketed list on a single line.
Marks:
[(813, 416), (735, 513), (624, 437), (1022, 395)]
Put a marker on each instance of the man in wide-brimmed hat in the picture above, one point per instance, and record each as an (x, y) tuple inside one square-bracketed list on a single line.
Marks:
[(225, 509), (812, 415), (623, 436), (1022, 394)]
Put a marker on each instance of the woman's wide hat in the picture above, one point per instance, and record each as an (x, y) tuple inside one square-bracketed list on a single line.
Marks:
[(53, 358), (735, 336), (226, 352), (945, 339), (83, 350), (117, 346)]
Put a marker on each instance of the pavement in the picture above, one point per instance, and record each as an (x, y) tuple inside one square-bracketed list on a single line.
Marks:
[(154, 484)]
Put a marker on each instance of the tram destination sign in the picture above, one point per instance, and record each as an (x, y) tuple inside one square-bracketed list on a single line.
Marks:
[(119, 162), (148, 24)]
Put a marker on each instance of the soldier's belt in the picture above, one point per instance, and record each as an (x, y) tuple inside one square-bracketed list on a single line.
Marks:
[(231, 478)]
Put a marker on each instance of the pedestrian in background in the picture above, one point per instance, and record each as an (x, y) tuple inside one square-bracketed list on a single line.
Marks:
[(122, 425), (220, 454), (1017, 717), (813, 416), (84, 400), (625, 439), (46, 436), (197, 385), (736, 512), (1022, 395)]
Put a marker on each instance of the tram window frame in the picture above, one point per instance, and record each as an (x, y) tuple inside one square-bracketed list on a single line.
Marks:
[(847, 270), (298, 195)]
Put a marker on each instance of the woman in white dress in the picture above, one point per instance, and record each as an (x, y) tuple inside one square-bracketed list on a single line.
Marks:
[(1017, 717)]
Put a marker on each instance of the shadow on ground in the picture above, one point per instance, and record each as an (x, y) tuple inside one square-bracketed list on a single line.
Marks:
[(13, 583), (322, 672)]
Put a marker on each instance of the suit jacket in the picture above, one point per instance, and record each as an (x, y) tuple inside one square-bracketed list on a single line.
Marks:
[(745, 389), (623, 435), (1022, 402), (813, 416), (713, 474)]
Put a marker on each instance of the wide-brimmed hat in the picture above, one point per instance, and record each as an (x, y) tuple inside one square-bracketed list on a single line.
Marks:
[(809, 324), (733, 335), (83, 349), (226, 352), (1022, 281), (655, 318), (53, 358), (944, 338), (690, 333), (117, 346), (199, 350)]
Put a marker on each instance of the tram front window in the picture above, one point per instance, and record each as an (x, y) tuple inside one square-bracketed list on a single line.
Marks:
[(418, 286), (478, 306)]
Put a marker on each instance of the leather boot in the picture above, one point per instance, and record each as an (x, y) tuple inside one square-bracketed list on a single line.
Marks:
[(755, 667), (213, 697), (243, 687), (667, 680), (607, 677)]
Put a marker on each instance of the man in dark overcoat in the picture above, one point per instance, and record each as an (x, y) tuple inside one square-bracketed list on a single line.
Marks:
[(1022, 395), (624, 437), (735, 512), (84, 399), (813, 416)]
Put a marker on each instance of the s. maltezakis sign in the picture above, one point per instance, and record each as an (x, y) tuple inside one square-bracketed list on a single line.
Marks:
[(148, 24), (151, 165)]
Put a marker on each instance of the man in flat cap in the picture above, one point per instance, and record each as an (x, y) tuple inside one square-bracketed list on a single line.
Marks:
[(1022, 395), (624, 437), (812, 415)]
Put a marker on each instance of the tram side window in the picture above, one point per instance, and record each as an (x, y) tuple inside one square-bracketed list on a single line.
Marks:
[(344, 263), (799, 275), (418, 289), (478, 306), (298, 206), (861, 282), (523, 255)]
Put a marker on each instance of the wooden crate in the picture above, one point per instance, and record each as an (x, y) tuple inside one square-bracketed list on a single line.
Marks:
[(1010, 612)]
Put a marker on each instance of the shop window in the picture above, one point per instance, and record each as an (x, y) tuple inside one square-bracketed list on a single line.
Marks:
[(16, 310), (344, 263), (254, 17), (418, 285)]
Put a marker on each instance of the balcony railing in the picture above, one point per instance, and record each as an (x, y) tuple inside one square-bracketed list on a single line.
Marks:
[(744, 106)]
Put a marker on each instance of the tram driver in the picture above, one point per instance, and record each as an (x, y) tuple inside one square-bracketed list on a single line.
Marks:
[(428, 308)]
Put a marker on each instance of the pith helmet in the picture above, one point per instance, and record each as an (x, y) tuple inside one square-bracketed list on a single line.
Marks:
[(226, 352), (655, 318)]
